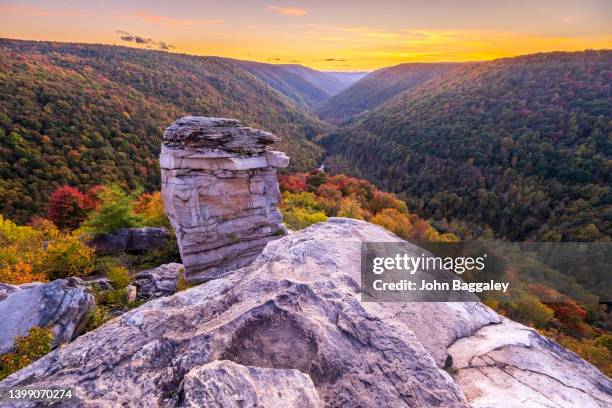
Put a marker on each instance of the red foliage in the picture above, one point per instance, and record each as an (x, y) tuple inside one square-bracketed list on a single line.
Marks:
[(293, 183), (68, 207)]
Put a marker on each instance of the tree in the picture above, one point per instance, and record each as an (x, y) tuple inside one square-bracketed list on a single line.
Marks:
[(115, 212), (68, 207)]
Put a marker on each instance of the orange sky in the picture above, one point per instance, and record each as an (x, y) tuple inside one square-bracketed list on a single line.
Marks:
[(330, 35)]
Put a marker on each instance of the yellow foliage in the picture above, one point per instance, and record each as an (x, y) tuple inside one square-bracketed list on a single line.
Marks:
[(300, 218), (41, 252), (350, 208), (151, 208), (19, 273), (28, 349), (119, 277), (394, 221)]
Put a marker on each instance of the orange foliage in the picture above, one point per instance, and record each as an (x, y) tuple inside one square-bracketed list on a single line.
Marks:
[(19, 273)]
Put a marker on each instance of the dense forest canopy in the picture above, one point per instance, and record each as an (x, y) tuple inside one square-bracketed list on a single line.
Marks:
[(520, 146), (86, 114)]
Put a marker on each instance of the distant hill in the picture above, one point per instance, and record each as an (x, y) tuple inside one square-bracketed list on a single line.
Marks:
[(84, 114), (347, 78), (521, 146), (331, 82), (377, 88), (294, 86), (305, 86)]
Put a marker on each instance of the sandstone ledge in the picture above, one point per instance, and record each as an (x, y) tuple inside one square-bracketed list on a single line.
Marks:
[(297, 308)]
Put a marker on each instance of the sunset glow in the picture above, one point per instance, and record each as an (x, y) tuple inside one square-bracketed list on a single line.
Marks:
[(330, 35)]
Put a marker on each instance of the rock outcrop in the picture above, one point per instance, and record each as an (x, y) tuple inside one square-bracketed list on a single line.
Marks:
[(157, 282), (63, 305), (297, 307), (225, 384), (221, 194), (132, 240), (512, 366)]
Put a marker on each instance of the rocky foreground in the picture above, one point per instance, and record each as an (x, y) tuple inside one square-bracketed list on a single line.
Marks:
[(289, 331)]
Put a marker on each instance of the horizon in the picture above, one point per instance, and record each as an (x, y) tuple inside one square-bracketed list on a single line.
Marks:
[(306, 66), (327, 36)]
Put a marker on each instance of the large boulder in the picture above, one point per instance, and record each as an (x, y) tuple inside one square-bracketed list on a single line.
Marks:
[(512, 366), (297, 307), (132, 240), (63, 305), (221, 193), (160, 281), (225, 384)]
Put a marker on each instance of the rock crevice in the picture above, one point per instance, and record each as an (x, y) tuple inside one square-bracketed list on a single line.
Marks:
[(221, 193)]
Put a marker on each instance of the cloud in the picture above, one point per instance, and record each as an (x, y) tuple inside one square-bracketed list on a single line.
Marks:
[(578, 17), (164, 46), (175, 22), (333, 59), (148, 42), (288, 11)]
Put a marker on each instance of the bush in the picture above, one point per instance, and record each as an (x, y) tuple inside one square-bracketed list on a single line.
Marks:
[(20, 273), (68, 207), (528, 308), (100, 314), (300, 218), (68, 256), (151, 208), (350, 208), (119, 277), (28, 349), (41, 251), (114, 212)]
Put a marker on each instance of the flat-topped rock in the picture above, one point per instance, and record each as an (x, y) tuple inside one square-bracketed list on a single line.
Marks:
[(217, 134), (221, 193)]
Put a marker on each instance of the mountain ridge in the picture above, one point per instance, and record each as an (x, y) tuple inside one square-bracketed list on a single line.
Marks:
[(526, 134), (86, 114)]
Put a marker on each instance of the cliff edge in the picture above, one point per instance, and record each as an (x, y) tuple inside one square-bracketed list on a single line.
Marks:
[(291, 323)]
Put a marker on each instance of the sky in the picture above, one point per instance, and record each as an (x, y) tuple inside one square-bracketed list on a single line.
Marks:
[(329, 35)]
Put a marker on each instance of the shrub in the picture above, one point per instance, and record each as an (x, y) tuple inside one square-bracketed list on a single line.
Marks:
[(151, 208), (528, 308), (350, 208), (68, 256), (181, 283), (119, 277), (28, 349), (114, 212), (381, 200), (300, 218), (315, 179), (293, 183), (68, 207), (100, 314), (19, 273), (41, 251), (394, 221)]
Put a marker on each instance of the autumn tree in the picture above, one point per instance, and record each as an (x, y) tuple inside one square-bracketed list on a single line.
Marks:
[(68, 207)]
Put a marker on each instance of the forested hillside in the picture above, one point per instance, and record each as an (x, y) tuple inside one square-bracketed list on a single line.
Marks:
[(297, 88), (377, 88), (520, 147), (87, 114), (305, 86)]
